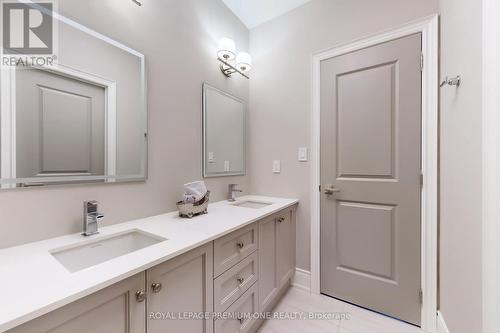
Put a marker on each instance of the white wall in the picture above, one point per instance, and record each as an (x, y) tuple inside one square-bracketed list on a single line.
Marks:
[(179, 39), (461, 166), (280, 99)]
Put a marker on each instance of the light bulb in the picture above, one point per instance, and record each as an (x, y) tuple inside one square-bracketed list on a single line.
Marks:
[(227, 49), (244, 62)]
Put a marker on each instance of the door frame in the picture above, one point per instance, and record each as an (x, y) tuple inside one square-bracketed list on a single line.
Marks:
[(491, 167), (429, 28)]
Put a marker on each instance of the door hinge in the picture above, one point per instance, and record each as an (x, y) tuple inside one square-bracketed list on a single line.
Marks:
[(421, 62), (320, 188), (421, 297), (421, 180)]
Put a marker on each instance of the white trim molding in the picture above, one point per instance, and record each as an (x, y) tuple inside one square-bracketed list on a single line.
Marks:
[(441, 324), (428, 27), (491, 167), (110, 109), (8, 126), (302, 279)]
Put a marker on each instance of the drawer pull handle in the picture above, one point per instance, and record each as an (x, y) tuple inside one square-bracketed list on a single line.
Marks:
[(240, 280), (281, 219), (140, 296), (156, 287), (241, 320), (240, 245)]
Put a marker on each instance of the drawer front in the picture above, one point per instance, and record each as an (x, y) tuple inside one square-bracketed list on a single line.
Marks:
[(231, 249), (234, 282), (241, 312)]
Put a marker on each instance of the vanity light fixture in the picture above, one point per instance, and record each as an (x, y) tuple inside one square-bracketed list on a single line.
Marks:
[(232, 63)]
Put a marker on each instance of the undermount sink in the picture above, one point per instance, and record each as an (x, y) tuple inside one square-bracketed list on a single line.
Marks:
[(88, 254), (252, 204)]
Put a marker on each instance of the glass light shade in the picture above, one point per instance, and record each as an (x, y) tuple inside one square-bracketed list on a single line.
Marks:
[(244, 62), (227, 49)]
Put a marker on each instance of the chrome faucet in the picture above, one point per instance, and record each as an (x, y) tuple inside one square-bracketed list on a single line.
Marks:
[(231, 191), (90, 218)]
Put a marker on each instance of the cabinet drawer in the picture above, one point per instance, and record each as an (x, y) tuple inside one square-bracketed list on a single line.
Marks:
[(231, 249), (240, 319), (234, 282)]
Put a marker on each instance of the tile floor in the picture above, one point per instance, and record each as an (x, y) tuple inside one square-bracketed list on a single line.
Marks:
[(358, 321)]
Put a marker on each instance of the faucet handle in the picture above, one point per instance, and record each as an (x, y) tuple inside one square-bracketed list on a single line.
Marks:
[(92, 203), (91, 209)]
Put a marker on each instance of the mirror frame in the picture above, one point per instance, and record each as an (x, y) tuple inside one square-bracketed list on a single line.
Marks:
[(206, 174), (5, 109)]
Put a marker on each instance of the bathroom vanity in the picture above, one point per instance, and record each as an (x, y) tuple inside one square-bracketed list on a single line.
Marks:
[(206, 274)]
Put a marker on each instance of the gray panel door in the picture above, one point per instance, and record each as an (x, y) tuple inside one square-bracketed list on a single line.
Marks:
[(371, 158), (60, 125)]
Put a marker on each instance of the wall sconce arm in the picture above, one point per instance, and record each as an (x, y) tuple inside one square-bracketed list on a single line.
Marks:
[(228, 70)]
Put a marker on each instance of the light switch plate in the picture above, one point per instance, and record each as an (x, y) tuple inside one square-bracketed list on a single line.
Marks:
[(303, 156), (211, 157), (226, 166), (276, 166)]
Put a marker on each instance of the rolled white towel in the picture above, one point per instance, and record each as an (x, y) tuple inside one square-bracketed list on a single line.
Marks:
[(195, 191)]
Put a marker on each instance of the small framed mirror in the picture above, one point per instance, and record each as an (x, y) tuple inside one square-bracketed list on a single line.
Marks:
[(224, 133)]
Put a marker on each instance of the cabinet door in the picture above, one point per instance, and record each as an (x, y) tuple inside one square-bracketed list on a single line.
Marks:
[(111, 310), (268, 282), (181, 287), (285, 247)]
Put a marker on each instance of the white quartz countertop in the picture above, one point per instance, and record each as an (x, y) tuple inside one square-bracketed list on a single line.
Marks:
[(34, 283)]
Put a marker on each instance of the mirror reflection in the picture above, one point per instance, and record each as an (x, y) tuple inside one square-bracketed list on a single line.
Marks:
[(224, 133), (82, 119)]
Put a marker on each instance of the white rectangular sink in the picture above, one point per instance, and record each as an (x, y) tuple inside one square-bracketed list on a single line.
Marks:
[(252, 204), (91, 253)]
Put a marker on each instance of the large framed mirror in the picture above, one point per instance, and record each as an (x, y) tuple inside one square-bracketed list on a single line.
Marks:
[(82, 119), (224, 133)]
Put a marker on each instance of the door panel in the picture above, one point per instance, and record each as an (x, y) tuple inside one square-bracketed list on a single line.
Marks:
[(60, 126), (371, 154), (66, 136), (371, 250)]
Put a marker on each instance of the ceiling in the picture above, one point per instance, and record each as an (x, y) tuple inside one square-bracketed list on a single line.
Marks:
[(255, 12)]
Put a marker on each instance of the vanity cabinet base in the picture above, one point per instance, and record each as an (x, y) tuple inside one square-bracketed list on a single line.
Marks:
[(115, 309), (243, 274)]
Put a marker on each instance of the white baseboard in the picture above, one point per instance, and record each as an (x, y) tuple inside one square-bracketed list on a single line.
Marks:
[(302, 279), (441, 324)]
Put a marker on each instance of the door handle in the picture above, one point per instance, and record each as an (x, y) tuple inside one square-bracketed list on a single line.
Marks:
[(330, 190)]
